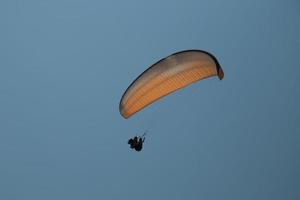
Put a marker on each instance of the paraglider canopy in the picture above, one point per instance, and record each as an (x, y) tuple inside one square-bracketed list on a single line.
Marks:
[(166, 76)]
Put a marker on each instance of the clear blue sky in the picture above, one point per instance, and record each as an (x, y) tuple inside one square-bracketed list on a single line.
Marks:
[(64, 65)]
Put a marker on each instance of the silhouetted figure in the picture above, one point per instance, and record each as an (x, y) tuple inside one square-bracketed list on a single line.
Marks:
[(133, 142), (136, 143)]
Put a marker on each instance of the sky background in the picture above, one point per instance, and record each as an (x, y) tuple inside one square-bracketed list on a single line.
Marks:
[(64, 65)]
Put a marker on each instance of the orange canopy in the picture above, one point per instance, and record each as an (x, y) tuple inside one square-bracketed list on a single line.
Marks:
[(166, 76)]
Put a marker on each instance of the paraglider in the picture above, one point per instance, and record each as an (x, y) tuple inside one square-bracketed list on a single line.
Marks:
[(136, 142), (168, 75)]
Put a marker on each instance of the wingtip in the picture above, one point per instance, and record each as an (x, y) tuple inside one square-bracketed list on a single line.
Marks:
[(220, 73)]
